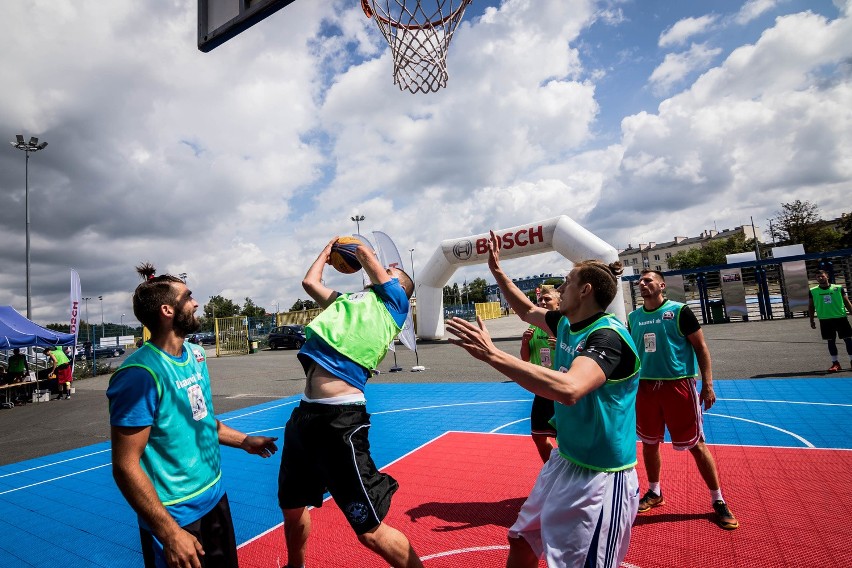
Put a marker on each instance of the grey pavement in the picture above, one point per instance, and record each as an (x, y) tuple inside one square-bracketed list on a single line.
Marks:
[(753, 350)]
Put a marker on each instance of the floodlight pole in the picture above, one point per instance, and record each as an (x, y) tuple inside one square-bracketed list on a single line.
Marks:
[(122, 324), (103, 330), (88, 324), (27, 147), (357, 219)]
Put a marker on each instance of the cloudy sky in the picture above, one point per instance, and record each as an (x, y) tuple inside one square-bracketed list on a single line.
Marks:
[(641, 119)]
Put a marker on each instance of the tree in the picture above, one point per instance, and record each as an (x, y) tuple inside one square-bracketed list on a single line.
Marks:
[(476, 291), (846, 227), (250, 310), (799, 222), (300, 305), (712, 253), (221, 308)]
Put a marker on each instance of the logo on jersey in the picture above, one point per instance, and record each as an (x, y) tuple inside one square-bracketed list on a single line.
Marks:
[(668, 315), (199, 354), (356, 512), (580, 347)]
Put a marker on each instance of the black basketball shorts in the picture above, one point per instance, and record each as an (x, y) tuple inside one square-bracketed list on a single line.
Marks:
[(540, 415), (215, 532), (835, 327), (326, 449)]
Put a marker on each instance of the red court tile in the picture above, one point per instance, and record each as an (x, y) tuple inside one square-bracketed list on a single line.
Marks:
[(460, 493)]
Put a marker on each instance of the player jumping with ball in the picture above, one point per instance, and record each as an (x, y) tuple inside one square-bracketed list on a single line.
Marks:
[(325, 440)]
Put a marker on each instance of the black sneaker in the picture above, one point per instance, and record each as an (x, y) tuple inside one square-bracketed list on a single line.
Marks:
[(650, 500), (724, 517)]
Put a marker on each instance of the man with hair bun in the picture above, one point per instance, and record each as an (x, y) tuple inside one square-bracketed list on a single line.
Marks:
[(581, 509), (672, 348), (166, 438)]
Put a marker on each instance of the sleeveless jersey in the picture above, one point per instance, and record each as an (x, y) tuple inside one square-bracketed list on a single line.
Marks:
[(358, 326), (540, 351), (599, 431), (828, 302), (665, 353), (182, 456), (61, 357)]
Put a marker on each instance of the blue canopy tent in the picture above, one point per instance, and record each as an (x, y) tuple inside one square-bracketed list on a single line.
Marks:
[(18, 331)]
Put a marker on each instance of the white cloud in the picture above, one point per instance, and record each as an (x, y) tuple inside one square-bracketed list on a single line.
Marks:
[(684, 29), (753, 9), (676, 66), (238, 165)]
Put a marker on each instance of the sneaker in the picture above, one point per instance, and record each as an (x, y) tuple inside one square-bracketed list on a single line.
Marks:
[(67, 397), (650, 500), (835, 368), (724, 516)]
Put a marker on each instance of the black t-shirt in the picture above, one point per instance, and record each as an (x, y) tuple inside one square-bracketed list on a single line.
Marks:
[(605, 347)]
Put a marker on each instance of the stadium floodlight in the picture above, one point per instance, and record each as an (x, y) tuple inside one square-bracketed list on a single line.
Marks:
[(28, 147)]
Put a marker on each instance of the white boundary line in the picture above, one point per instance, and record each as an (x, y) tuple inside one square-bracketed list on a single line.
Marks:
[(802, 440)]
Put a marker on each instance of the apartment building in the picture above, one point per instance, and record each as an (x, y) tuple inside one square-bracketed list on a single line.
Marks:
[(656, 255)]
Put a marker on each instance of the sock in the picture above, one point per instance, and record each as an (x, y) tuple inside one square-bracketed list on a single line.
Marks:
[(655, 487), (716, 495)]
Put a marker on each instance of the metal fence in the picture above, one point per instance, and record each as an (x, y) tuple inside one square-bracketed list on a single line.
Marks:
[(771, 288)]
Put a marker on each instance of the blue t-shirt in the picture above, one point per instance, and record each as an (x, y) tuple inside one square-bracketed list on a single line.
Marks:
[(316, 350), (134, 404)]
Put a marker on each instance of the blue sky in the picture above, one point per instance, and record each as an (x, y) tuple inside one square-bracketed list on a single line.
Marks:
[(641, 120)]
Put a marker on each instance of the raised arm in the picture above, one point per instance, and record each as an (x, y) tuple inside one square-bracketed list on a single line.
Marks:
[(582, 377), (522, 305), (312, 283), (371, 265)]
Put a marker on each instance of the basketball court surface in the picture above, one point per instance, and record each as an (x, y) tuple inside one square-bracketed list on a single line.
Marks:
[(465, 465)]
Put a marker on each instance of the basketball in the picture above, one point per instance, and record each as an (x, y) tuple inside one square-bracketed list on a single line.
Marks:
[(342, 256)]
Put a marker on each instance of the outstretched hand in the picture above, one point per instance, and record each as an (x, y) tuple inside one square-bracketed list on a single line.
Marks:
[(326, 252), (262, 446), (475, 339), (493, 251)]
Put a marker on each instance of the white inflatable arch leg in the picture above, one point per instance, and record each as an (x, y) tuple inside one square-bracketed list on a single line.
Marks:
[(561, 234)]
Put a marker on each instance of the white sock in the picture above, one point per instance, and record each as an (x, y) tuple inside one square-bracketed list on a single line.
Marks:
[(655, 487), (716, 495)]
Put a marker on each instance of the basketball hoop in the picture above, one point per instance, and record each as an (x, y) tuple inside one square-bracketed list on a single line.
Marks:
[(419, 34)]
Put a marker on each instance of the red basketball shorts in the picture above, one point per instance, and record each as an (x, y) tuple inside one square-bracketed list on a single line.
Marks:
[(669, 404)]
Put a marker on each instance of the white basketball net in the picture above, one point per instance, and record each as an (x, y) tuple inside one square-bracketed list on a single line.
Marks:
[(419, 34)]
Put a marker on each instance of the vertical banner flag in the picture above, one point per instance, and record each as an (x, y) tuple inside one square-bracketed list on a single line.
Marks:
[(76, 298), (364, 277), (389, 257)]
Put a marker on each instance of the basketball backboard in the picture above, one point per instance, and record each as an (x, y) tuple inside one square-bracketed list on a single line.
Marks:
[(220, 20)]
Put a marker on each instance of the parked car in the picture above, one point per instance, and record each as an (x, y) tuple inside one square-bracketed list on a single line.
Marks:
[(292, 336), (203, 338), (100, 352)]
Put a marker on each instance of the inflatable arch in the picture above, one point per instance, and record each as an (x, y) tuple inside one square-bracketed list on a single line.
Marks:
[(561, 234)]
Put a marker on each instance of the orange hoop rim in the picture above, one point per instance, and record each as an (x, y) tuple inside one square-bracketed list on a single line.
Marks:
[(365, 6)]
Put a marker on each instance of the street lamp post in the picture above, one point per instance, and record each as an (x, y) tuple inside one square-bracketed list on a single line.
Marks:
[(357, 219), (88, 324), (122, 324), (28, 147), (103, 331)]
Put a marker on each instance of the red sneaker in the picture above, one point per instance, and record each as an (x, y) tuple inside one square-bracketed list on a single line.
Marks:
[(835, 368)]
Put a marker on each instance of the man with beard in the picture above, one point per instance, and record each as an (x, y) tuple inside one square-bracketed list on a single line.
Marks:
[(165, 436)]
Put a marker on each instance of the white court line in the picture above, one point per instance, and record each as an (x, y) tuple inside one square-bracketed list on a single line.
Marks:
[(53, 463), (451, 405), (805, 442), (498, 428), (53, 479), (261, 410), (785, 402)]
